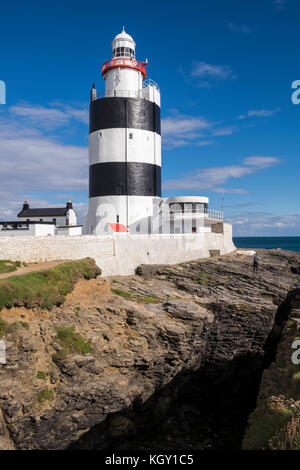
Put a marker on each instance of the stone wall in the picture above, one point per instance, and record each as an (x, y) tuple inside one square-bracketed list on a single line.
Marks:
[(118, 254), (217, 228)]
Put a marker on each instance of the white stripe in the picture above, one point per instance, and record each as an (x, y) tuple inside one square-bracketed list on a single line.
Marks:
[(109, 145)]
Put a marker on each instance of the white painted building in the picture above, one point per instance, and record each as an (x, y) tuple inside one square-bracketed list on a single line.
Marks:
[(25, 229), (125, 156), (43, 221), (190, 214), (124, 143), (60, 216)]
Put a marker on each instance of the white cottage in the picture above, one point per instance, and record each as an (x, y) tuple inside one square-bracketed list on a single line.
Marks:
[(43, 221)]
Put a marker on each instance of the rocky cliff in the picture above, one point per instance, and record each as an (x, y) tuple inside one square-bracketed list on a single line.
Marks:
[(275, 422), (169, 358)]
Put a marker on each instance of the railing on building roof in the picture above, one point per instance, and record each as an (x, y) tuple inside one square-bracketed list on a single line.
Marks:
[(206, 213), (150, 82)]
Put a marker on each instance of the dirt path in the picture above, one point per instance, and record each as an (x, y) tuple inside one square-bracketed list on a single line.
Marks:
[(42, 266)]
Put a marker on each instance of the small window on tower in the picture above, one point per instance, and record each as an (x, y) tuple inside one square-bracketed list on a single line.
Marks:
[(131, 136)]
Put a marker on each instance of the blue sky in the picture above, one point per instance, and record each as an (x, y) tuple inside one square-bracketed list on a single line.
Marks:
[(225, 69)]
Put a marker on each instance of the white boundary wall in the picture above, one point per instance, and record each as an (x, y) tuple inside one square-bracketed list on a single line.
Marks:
[(118, 254), (34, 230)]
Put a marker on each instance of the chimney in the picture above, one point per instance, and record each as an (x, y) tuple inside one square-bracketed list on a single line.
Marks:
[(25, 206), (69, 205)]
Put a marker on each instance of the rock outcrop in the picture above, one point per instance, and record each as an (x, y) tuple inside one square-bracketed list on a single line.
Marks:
[(275, 422), (165, 347)]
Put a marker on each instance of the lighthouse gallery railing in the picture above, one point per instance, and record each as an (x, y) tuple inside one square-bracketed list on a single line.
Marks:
[(128, 93)]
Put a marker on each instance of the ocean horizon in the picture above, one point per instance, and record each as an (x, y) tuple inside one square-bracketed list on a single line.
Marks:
[(268, 243)]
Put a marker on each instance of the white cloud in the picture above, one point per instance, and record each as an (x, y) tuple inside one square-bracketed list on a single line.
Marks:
[(204, 143), (229, 130), (81, 211), (259, 113), (40, 163), (242, 204), (214, 178), (34, 164), (238, 28), (182, 125), (202, 69), (264, 224), (180, 130), (206, 75), (279, 5), (261, 162), (49, 117)]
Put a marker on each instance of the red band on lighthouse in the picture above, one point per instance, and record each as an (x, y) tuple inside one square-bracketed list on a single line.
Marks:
[(133, 64)]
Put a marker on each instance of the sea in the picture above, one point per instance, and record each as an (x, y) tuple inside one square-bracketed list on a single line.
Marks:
[(268, 243)]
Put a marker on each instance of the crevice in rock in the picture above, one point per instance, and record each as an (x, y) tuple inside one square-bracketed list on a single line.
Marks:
[(6, 439), (203, 409)]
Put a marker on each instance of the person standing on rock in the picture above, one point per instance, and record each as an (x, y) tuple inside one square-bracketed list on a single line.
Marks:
[(256, 260)]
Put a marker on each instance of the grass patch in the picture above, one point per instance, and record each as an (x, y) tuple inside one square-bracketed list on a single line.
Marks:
[(265, 422), (275, 423), (295, 385), (45, 395), (289, 437), (204, 281), (45, 288), (122, 293), (42, 375), (70, 342), (6, 327), (7, 266), (148, 299)]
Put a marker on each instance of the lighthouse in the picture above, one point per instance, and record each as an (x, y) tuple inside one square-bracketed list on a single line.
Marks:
[(124, 145)]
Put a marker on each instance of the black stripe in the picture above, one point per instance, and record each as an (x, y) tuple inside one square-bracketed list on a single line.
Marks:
[(136, 113), (120, 178)]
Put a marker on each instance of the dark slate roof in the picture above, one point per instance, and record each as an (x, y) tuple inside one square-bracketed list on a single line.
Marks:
[(47, 212)]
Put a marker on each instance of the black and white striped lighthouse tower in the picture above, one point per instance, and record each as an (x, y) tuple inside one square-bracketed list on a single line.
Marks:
[(124, 144)]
